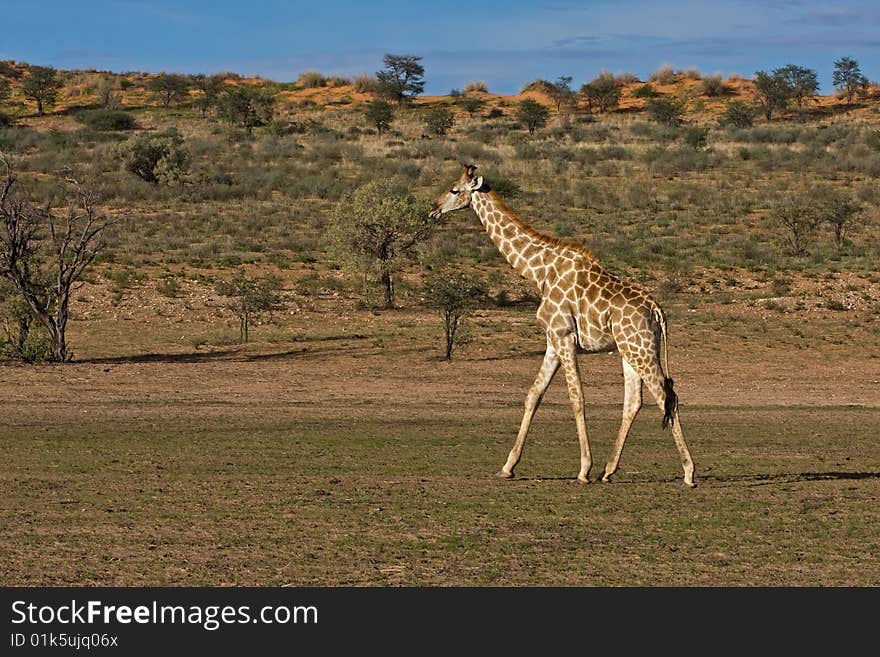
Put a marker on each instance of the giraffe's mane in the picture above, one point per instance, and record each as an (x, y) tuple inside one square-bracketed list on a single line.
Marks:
[(544, 238)]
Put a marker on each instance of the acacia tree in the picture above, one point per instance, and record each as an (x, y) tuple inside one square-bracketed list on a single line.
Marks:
[(41, 85), (402, 78), (380, 114), (603, 91), (848, 78), (772, 92), (210, 87), (171, 87), (44, 253), (455, 295), (246, 107), (532, 113), (249, 298), (561, 92), (803, 83), (377, 228)]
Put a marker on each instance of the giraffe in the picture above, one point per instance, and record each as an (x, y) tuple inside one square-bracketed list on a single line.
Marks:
[(583, 308)]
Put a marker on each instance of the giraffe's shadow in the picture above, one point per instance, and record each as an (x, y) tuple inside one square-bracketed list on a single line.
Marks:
[(756, 479), (765, 479)]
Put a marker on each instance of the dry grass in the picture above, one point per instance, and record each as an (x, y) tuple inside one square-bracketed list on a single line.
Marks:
[(316, 459)]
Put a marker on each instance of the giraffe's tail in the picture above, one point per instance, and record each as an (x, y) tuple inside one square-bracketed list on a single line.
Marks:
[(670, 404)]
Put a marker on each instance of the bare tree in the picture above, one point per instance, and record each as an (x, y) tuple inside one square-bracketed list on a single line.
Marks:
[(44, 253), (799, 217)]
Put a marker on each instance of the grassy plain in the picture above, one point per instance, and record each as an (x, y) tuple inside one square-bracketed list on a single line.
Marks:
[(352, 455)]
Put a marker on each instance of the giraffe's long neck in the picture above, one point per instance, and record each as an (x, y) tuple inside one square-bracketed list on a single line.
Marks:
[(523, 248)]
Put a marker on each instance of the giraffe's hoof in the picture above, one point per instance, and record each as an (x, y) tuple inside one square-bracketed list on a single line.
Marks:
[(501, 474), (690, 484), (583, 480), (606, 478)]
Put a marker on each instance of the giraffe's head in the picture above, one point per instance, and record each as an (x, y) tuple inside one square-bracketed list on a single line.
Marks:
[(459, 194)]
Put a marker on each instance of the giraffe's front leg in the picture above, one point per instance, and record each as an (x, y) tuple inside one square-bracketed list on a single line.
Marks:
[(566, 347), (533, 400), (632, 402)]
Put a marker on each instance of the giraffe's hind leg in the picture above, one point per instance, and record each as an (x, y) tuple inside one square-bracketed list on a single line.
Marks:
[(632, 402), (661, 387)]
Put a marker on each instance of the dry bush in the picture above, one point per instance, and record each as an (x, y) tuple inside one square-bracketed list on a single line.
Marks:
[(312, 80), (713, 86), (690, 73), (626, 78), (476, 85), (365, 84), (663, 75), (338, 81)]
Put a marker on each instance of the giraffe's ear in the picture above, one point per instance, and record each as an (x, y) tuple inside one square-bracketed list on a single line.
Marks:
[(476, 183)]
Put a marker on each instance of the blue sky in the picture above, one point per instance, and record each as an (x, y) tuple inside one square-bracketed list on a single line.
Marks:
[(506, 43)]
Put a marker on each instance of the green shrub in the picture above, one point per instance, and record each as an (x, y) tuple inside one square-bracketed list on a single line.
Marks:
[(738, 114), (156, 158), (645, 91), (21, 336), (666, 111), (107, 119), (380, 114), (472, 104), (168, 286), (439, 120), (696, 137)]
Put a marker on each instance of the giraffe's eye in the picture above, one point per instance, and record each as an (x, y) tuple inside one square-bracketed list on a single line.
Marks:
[(453, 191)]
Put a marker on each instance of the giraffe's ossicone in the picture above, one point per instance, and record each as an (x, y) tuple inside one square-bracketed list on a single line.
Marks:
[(583, 308)]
